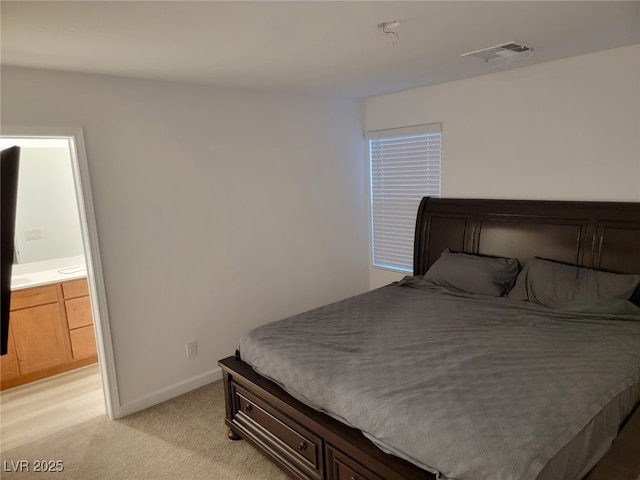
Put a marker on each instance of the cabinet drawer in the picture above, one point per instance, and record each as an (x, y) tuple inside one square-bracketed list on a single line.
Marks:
[(83, 342), (78, 312), (75, 288), (343, 467), (31, 297), (292, 443)]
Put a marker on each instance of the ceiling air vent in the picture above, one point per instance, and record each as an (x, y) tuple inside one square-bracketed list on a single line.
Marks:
[(505, 50)]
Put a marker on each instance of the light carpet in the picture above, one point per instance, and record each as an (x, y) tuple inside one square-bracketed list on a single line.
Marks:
[(183, 438)]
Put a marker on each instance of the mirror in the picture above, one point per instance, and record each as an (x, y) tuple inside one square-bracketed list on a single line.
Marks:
[(47, 218)]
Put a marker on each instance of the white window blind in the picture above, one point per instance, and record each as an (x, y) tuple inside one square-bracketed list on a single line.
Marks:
[(405, 166)]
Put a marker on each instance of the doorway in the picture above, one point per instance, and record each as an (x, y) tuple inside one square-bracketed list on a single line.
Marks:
[(84, 252)]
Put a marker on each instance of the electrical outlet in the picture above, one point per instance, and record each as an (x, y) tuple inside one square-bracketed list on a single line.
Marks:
[(35, 234), (192, 348)]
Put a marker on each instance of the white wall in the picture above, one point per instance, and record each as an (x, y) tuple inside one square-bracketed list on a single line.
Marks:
[(217, 210), (563, 130)]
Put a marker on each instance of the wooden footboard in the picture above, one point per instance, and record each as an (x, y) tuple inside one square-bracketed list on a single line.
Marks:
[(306, 444)]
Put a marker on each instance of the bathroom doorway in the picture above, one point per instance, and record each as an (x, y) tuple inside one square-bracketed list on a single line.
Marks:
[(68, 249)]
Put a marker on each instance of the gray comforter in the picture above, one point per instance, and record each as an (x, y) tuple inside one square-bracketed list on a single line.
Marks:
[(470, 387)]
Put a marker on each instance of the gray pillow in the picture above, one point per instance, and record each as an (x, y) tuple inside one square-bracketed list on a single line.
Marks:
[(473, 273), (610, 306), (549, 283)]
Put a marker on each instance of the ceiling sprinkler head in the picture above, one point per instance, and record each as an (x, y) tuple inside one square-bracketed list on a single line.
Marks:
[(388, 25), (385, 27)]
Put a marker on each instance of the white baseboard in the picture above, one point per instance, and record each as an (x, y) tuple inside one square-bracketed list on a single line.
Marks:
[(169, 392)]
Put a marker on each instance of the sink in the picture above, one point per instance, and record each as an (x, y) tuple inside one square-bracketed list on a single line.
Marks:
[(76, 269), (16, 282)]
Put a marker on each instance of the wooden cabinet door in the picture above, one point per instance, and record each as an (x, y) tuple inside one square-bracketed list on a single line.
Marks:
[(39, 337), (9, 362)]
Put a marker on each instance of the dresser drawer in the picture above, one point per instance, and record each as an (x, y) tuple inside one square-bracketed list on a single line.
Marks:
[(292, 444), (342, 467), (31, 297)]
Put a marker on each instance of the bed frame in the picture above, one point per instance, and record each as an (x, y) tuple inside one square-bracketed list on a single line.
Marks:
[(307, 444)]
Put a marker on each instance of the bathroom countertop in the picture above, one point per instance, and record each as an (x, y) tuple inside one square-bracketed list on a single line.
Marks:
[(51, 271)]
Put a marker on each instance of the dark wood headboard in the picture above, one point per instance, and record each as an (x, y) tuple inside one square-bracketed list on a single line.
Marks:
[(602, 235)]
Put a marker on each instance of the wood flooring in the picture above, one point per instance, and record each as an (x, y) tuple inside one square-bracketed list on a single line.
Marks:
[(37, 409)]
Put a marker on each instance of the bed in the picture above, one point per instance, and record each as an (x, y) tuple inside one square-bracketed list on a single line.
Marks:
[(407, 410)]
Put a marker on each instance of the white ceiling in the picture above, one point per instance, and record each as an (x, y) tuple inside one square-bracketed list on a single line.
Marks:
[(324, 47)]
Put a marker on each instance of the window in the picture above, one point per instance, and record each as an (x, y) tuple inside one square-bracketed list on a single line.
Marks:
[(405, 166)]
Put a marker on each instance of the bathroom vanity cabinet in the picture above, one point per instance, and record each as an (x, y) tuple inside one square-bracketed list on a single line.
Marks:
[(50, 332)]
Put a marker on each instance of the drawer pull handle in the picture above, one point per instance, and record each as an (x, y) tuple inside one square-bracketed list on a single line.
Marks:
[(247, 408), (353, 478), (302, 447)]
